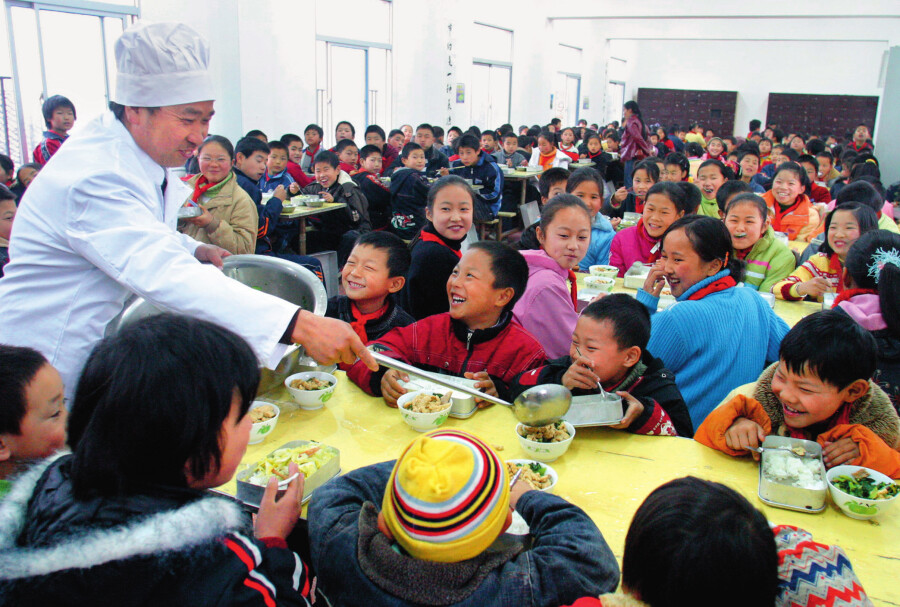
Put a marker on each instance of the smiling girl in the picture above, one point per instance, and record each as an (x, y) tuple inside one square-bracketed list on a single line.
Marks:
[(768, 259), (666, 202), (567, 143), (646, 173), (547, 308), (740, 332), (436, 249), (710, 177), (792, 212), (546, 155), (821, 273)]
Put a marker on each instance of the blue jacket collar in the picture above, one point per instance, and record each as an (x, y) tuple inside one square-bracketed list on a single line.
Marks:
[(703, 283)]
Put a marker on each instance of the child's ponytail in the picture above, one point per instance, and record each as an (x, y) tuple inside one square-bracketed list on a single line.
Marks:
[(874, 263), (711, 241)]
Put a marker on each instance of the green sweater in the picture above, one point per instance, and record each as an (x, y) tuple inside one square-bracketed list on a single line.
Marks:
[(768, 262), (708, 207)]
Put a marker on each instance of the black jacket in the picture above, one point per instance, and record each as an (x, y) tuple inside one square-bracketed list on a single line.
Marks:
[(355, 216), (378, 196), (162, 546), (425, 292), (436, 160), (409, 197), (655, 388), (339, 307)]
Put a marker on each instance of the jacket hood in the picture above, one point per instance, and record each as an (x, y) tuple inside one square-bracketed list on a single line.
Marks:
[(539, 260), (865, 309), (402, 175), (601, 223)]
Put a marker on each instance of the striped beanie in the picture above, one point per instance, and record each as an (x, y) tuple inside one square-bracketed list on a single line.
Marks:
[(448, 497)]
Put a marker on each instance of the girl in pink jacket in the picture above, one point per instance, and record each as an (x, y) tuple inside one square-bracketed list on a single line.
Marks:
[(547, 308)]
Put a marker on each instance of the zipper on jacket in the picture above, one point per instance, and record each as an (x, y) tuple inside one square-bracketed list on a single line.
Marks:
[(465, 364)]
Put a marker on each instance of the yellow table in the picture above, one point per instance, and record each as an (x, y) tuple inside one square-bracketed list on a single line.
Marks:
[(789, 311), (302, 213), (522, 176), (608, 473)]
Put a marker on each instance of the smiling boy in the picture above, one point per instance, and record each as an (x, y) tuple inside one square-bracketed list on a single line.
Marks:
[(482, 169), (820, 389)]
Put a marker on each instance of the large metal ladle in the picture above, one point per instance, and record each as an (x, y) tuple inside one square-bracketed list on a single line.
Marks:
[(537, 406)]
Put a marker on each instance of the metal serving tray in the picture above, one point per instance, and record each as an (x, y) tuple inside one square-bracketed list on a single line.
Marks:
[(252, 494), (788, 497), (589, 411)]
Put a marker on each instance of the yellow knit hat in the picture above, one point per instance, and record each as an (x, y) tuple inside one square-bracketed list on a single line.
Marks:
[(448, 497)]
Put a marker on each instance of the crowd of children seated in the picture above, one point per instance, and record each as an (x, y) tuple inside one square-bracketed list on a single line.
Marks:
[(714, 221)]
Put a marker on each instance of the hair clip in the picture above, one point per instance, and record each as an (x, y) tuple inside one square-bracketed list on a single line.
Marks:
[(881, 257)]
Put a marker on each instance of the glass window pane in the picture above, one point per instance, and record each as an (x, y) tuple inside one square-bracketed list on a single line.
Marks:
[(362, 20), (347, 94), (479, 95), (30, 86), (500, 77), (75, 68), (380, 86)]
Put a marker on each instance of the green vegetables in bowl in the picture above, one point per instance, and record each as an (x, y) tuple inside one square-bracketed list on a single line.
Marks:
[(865, 487)]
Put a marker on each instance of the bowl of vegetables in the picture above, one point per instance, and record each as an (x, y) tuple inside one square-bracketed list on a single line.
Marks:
[(546, 443), (536, 474), (264, 416), (311, 389), (861, 493)]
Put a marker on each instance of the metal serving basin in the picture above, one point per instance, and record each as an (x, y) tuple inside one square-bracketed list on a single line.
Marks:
[(271, 275)]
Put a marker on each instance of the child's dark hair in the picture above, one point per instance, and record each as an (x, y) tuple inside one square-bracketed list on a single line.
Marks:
[(223, 142), (748, 151), (726, 171), (352, 129), (248, 146), (18, 366), (276, 144), (828, 155), (52, 104), (693, 197), (832, 346), (673, 192), (582, 175), (874, 249), (316, 128), (343, 144), (408, 149), (612, 135), (593, 135), (729, 189), (748, 198), (368, 150), (557, 204), (649, 165), (395, 132), (256, 133), (398, 253), (693, 149), (374, 128), (546, 135), (628, 318), (510, 135), (692, 538), (469, 141), (808, 159), (549, 178), (525, 141), (455, 129), (865, 218), (815, 146), (866, 167), (862, 192), (790, 153), (6, 163), (509, 268), (327, 157), (681, 161), (128, 405), (490, 134), (711, 240), (444, 182), (438, 132), (6, 193), (755, 124), (288, 138), (426, 127), (796, 169)]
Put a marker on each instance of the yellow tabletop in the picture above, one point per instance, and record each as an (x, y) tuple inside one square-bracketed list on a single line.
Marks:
[(789, 311), (606, 472), (522, 174), (304, 211)]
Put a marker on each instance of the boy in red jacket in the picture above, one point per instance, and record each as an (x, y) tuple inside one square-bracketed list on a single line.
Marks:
[(477, 339)]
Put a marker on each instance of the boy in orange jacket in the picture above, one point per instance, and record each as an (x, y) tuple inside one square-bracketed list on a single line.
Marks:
[(820, 389)]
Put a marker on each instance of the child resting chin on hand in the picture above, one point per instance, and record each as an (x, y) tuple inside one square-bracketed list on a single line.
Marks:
[(818, 390)]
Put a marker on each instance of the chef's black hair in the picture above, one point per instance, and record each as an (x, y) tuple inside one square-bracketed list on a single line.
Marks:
[(151, 402), (18, 366), (693, 537), (509, 268)]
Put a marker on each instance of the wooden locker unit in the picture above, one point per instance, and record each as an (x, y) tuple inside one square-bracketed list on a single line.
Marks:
[(712, 109), (821, 114)]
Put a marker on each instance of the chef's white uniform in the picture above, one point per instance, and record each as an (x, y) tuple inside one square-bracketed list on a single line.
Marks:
[(93, 229)]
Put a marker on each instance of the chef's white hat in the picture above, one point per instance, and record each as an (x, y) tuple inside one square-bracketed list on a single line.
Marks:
[(161, 64)]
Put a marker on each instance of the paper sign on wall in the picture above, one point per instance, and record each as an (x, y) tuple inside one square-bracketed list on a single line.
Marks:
[(586, 103), (460, 92)]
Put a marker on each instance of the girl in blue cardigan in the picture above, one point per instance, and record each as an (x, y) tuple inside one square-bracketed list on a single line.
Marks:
[(717, 335)]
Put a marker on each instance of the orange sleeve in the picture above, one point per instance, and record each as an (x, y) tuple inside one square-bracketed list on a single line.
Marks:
[(712, 431), (873, 451)]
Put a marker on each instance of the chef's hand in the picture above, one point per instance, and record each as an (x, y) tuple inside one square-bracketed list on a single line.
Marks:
[(329, 340), (212, 254)]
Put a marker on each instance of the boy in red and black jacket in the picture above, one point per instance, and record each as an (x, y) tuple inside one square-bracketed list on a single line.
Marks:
[(59, 116), (477, 339), (378, 194)]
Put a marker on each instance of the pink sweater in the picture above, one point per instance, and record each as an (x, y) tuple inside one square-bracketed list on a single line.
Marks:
[(545, 309), (631, 245)]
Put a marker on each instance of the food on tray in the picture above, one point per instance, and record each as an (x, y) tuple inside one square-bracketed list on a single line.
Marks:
[(785, 467), (860, 484), (313, 383), (308, 458), (551, 433), (532, 473), (262, 413), (426, 403)]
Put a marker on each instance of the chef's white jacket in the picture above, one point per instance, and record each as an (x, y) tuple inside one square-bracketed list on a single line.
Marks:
[(93, 229)]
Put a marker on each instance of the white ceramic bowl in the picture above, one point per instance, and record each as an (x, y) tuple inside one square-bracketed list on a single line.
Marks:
[(311, 399), (545, 452), (421, 422), (600, 282), (554, 477), (857, 507), (608, 271), (260, 431)]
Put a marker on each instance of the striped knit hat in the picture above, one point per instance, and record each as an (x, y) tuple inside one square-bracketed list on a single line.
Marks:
[(448, 497)]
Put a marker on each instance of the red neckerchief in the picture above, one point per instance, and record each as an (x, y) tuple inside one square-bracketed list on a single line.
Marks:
[(779, 213), (638, 204), (655, 252), (312, 153), (200, 186), (574, 280), (429, 237), (597, 155), (851, 293), (359, 319), (742, 253), (720, 285), (841, 416), (834, 264)]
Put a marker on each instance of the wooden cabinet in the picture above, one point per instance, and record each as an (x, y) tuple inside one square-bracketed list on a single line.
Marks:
[(711, 109), (836, 115)]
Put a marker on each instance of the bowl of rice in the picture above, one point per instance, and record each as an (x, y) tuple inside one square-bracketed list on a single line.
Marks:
[(423, 410), (861, 493), (546, 443), (264, 416), (538, 475), (311, 389), (603, 283), (604, 270)]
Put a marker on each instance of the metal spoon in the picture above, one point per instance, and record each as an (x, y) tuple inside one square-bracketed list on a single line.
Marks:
[(603, 393)]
